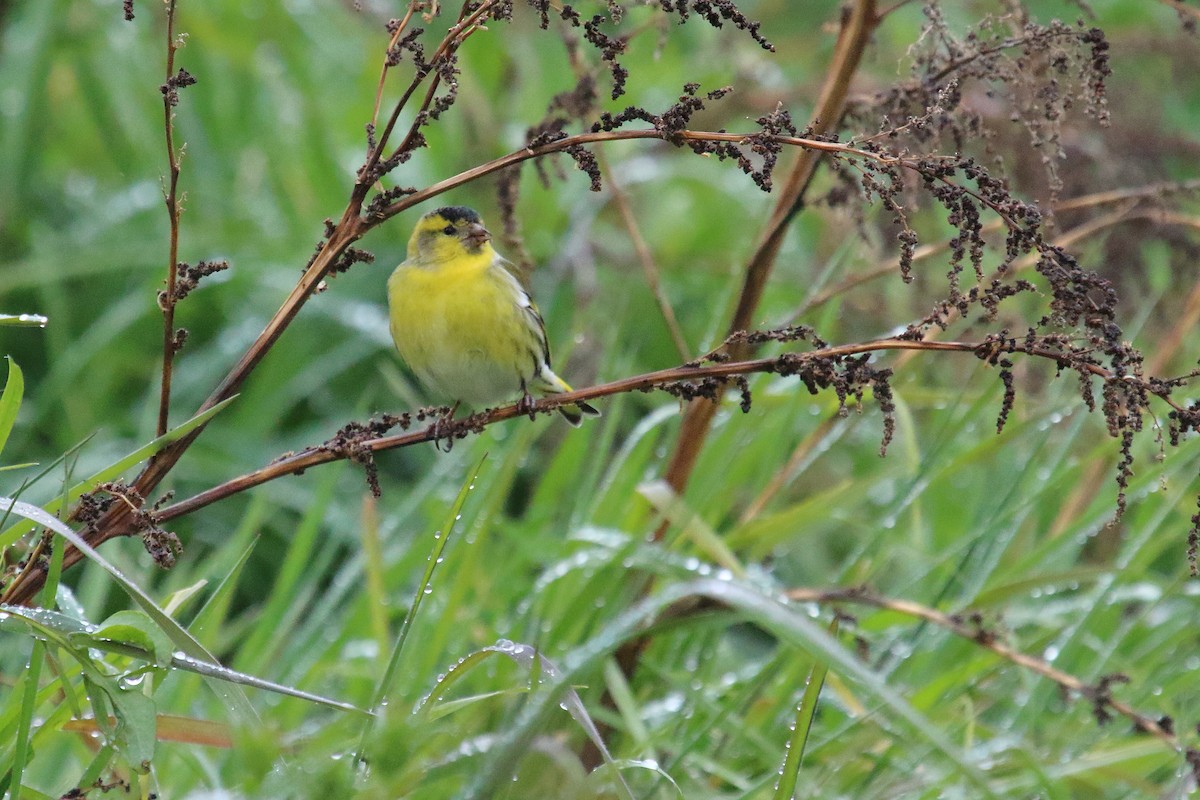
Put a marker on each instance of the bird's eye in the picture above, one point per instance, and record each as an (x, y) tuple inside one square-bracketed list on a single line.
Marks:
[(448, 230)]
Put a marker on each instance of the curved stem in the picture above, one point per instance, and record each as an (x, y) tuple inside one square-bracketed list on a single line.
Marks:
[(316, 456), (172, 201), (974, 631)]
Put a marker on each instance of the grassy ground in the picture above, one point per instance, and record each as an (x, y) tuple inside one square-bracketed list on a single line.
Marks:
[(969, 617)]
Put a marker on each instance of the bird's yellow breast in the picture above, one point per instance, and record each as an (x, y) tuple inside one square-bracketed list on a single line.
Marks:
[(461, 326)]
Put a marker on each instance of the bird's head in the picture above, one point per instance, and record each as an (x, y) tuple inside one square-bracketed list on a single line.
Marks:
[(447, 233)]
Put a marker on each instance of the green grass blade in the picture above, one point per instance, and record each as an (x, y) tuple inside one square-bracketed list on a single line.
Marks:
[(790, 773), (10, 401), (214, 670), (16, 531), (441, 537), (21, 752), (234, 699), (544, 670), (23, 320), (674, 508), (790, 624)]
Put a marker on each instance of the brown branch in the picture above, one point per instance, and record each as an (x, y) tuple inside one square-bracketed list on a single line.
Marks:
[(852, 43), (383, 72), (1148, 191), (121, 524), (596, 137), (1065, 239), (315, 456), (855, 33), (458, 33), (960, 626), (639, 383), (1183, 8), (170, 96), (353, 226)]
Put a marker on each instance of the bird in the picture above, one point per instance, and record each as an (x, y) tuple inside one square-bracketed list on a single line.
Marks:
[(463, 321)]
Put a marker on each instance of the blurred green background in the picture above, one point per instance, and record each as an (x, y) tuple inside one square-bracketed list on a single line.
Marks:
[(955, 517)]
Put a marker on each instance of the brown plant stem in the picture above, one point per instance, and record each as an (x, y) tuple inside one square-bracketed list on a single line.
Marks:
[(172, 201), (121, 525), (960, 626), (852, 42), (855, 32), (383, 71), (352, 226)]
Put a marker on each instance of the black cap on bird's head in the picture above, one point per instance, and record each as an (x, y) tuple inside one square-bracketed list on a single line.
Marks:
[(456, 214)]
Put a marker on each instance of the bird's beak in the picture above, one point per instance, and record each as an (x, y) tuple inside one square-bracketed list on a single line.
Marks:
[(476, 235)]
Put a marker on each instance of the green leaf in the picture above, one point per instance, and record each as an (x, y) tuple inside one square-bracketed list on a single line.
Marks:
[(137, 629), (23, 749), (790, 773), (235, 700), (50, 625), (10, 401), (76, 637), (132, 731)]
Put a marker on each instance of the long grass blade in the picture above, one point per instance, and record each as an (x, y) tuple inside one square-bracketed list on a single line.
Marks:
[(16, 531), (441, 536), (234, 699), (10, 401), (790, 773), (787, 622)]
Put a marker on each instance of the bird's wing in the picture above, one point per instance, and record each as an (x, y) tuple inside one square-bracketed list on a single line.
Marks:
[(533, 317), (537, 325), (520, 273)]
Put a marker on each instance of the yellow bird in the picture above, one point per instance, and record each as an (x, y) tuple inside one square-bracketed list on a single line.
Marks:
[(464, 323)]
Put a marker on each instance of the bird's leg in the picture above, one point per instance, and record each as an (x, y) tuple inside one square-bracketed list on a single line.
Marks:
[(526, 404), (443, 427)]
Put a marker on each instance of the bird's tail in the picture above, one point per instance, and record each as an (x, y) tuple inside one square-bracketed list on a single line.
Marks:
[(551, 384)]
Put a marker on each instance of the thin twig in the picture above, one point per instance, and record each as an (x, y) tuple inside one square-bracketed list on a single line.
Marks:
[(314, 456), (383, 71), (852, 43), (1063, 240), (172, 201), (986, 639)]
